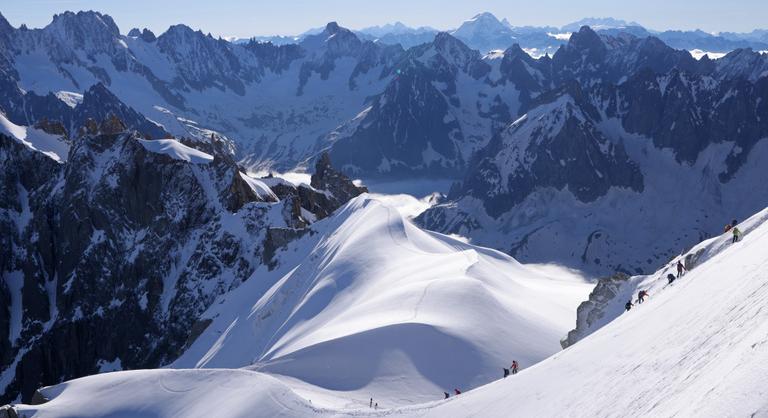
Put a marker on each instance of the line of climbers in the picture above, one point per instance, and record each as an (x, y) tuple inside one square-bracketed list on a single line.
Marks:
[(507, 371), (681, 269)]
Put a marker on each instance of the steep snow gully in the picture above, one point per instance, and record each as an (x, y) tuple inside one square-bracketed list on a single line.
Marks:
[(694, 348)]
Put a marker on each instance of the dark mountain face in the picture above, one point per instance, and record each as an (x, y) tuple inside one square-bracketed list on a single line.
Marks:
[(98, 104), (567, 160), (412, 108), (110, 257), (557, 145)]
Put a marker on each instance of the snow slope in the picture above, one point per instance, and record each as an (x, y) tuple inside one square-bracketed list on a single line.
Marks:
[(696, 348), (388, 306), (176, 150), (50, 145), (173, 393)]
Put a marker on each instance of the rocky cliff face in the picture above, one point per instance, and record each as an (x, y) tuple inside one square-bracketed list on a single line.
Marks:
[(601, 155), (591, 314), (108, 259)]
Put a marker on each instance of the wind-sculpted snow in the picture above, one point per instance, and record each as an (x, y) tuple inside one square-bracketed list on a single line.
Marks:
[(377, 301), (695, 348), (109, 257), (51, 145), (176, 150)]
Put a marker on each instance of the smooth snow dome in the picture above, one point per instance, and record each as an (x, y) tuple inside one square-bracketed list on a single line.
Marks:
[(379, 306), (176, 150), (51, 145), (172, 393), (696, 348)]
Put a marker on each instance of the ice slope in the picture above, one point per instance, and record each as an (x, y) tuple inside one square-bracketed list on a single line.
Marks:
[(50, 145), (378, 306), (697, 348)]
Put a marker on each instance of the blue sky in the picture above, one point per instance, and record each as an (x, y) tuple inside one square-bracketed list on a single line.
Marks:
[(245, 18)]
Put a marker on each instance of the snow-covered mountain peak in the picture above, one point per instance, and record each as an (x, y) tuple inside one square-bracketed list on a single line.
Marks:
[(485, 21), (485, 33), (453, 51), (585, 39), (396, 28), (89, 30), (145, 34), (745, 62), (334, 39), (598, 23)]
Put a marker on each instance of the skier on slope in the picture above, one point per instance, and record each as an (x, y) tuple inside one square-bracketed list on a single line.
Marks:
[(641, 295), (506, 372), (456, 391), (628, 305), (680, 268), (514, 366), (736, 234), (446, 395)]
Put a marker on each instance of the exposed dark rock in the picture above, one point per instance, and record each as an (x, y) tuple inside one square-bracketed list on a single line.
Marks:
[(339, 186), (53, 128), (7, 411), (119, 235), (591, 312), (197, 329)]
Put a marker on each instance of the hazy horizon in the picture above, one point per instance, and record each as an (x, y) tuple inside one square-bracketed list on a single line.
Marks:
[(243, 19)]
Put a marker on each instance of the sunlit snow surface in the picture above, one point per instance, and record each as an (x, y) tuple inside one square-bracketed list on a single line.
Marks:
[(35, 139), (176, 150), (696, 348), (699, 54)]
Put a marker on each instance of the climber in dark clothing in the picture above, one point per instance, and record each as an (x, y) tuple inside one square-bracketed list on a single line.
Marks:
[(641, 295), (506, 372), (628, 305), (671, 278), (680, 268), (446, 395)]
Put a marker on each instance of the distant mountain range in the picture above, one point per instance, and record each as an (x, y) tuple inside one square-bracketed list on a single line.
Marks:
[(485, 33)]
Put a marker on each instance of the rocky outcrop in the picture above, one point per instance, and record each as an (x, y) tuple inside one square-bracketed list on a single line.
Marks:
[(339, 187), (120, 235), (7, 411), (591, 314)]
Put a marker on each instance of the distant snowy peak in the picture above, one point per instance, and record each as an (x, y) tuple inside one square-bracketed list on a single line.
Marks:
[(485, 32), (482, 24), (598, 24), (397, 28), (334, 39)]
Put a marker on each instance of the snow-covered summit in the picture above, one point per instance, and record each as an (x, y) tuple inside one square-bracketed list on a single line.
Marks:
[(695, 348), (374, 298)]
